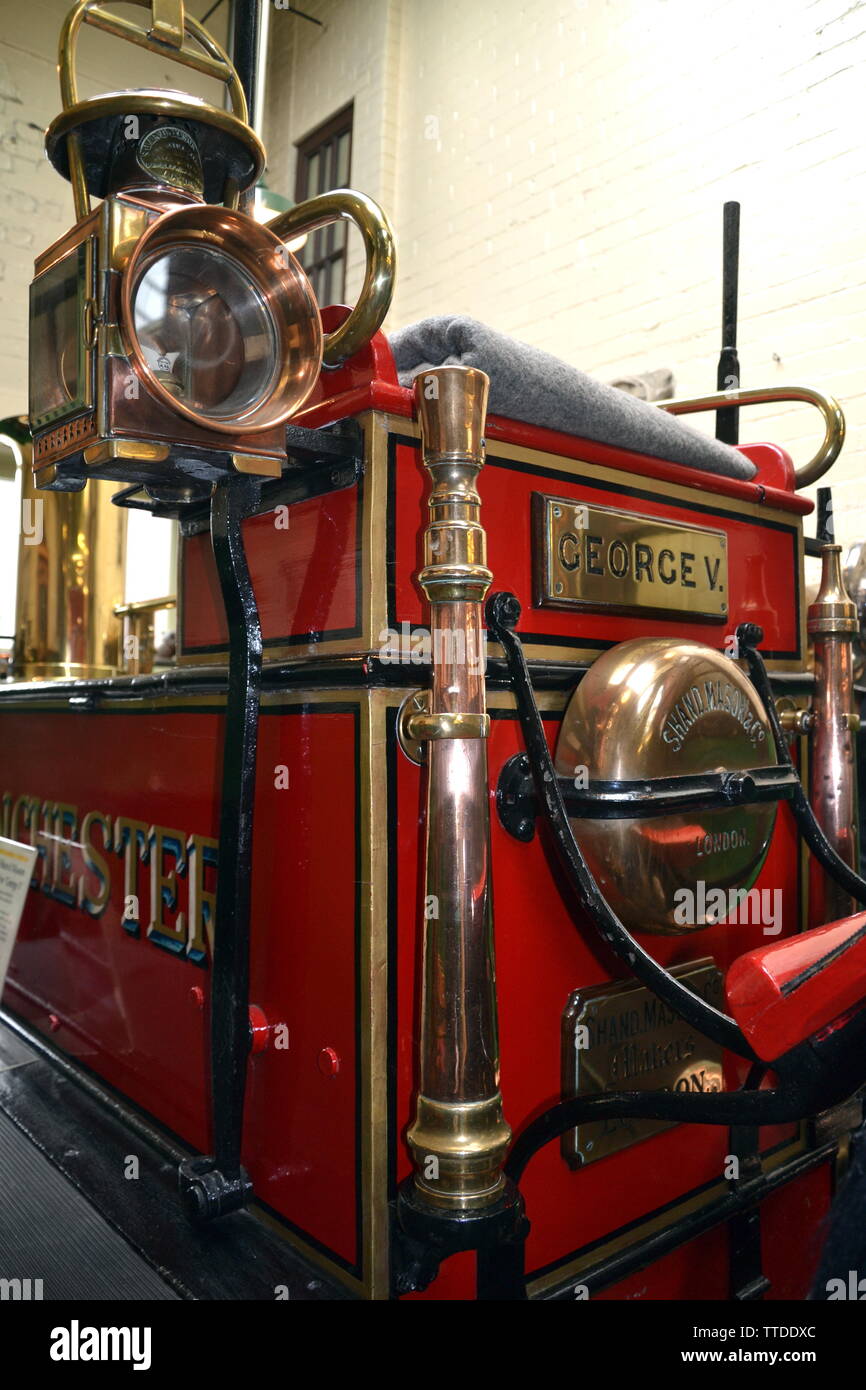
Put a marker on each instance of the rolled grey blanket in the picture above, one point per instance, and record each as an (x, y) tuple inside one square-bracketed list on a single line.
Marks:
[(530, 385)]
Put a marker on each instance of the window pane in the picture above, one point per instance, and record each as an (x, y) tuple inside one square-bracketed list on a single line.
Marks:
[(313, 175), (339, 279), (342, 171)]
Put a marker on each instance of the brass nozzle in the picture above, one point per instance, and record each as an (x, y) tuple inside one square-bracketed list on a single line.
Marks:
[(452, 405), (452, 409), (833, 611)]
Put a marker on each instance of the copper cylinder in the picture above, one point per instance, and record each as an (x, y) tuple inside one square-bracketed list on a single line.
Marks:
[(70, 579), (832, 625), (459, 1135)]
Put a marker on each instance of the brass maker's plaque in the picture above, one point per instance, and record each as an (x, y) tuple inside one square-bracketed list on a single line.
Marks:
[(170, 155), (594, 557), (621, 1037)]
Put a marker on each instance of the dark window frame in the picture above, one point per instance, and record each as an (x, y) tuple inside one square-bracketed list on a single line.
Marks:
[(324, 256)]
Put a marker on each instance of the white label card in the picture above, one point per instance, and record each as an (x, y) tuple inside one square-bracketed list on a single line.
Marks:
[(16, 871)]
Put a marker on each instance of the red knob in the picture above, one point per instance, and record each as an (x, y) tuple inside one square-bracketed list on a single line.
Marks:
[(328, 1062), (260, 1028)]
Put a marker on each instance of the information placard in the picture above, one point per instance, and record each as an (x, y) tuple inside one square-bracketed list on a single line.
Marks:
[(16, 871)]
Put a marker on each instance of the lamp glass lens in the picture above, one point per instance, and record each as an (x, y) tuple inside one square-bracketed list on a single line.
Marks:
[(59, 373), (205, 331)]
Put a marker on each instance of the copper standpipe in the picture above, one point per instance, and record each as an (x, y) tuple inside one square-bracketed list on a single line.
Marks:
[(832, 625), (459, 1136)]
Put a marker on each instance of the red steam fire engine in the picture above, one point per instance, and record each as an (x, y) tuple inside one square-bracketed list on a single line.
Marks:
[(447, 919)]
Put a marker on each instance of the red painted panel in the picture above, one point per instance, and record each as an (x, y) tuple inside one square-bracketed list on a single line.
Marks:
[(793, 1231), (696, 1272), (762, 561), (303, 1141), (304, 574), (124, 1004)]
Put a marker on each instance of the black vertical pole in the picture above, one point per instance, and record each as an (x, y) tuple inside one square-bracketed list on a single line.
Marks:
[(824, 531), (245, 42), (728, 374), (212, 1187), (230, 1026)]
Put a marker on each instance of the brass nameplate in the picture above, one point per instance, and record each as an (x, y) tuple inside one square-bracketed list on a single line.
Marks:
[(600, 558), (621, 1037)]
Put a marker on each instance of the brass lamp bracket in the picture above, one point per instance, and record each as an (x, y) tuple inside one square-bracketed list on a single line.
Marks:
[(416, 725)]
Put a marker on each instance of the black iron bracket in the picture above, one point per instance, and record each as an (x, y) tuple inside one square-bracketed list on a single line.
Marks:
[(213, 1186), (811, 1077), (503, 612), (423, 1237), (518, 808), (319, 460), (747, 1280)]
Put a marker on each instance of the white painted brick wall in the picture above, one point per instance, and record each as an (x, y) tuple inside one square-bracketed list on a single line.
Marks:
[(585, 148), (313, 72), (573, 195)]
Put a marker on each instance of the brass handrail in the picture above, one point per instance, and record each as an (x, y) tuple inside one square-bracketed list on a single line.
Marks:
[(144, 605), (138, 631), (374, 301), (834, 420)]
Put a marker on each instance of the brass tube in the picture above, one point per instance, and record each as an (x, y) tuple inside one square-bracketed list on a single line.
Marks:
[(70, 578), (459, 1135), (832, 625)]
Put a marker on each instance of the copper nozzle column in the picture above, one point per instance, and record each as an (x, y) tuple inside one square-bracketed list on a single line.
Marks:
[(459, 1136), (832, 625)]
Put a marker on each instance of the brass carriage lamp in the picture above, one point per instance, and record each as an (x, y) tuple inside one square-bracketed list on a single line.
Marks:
[(171, 333)]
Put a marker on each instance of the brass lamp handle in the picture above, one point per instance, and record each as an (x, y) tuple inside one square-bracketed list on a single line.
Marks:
[(168, 36), (834, 421), (346, 204)]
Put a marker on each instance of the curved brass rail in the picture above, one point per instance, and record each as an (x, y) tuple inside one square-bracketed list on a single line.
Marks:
[(834, 421), (345, 204), (167, 37)]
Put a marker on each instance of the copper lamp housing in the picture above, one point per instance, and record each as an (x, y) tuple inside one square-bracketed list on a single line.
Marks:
[(172, 336)]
